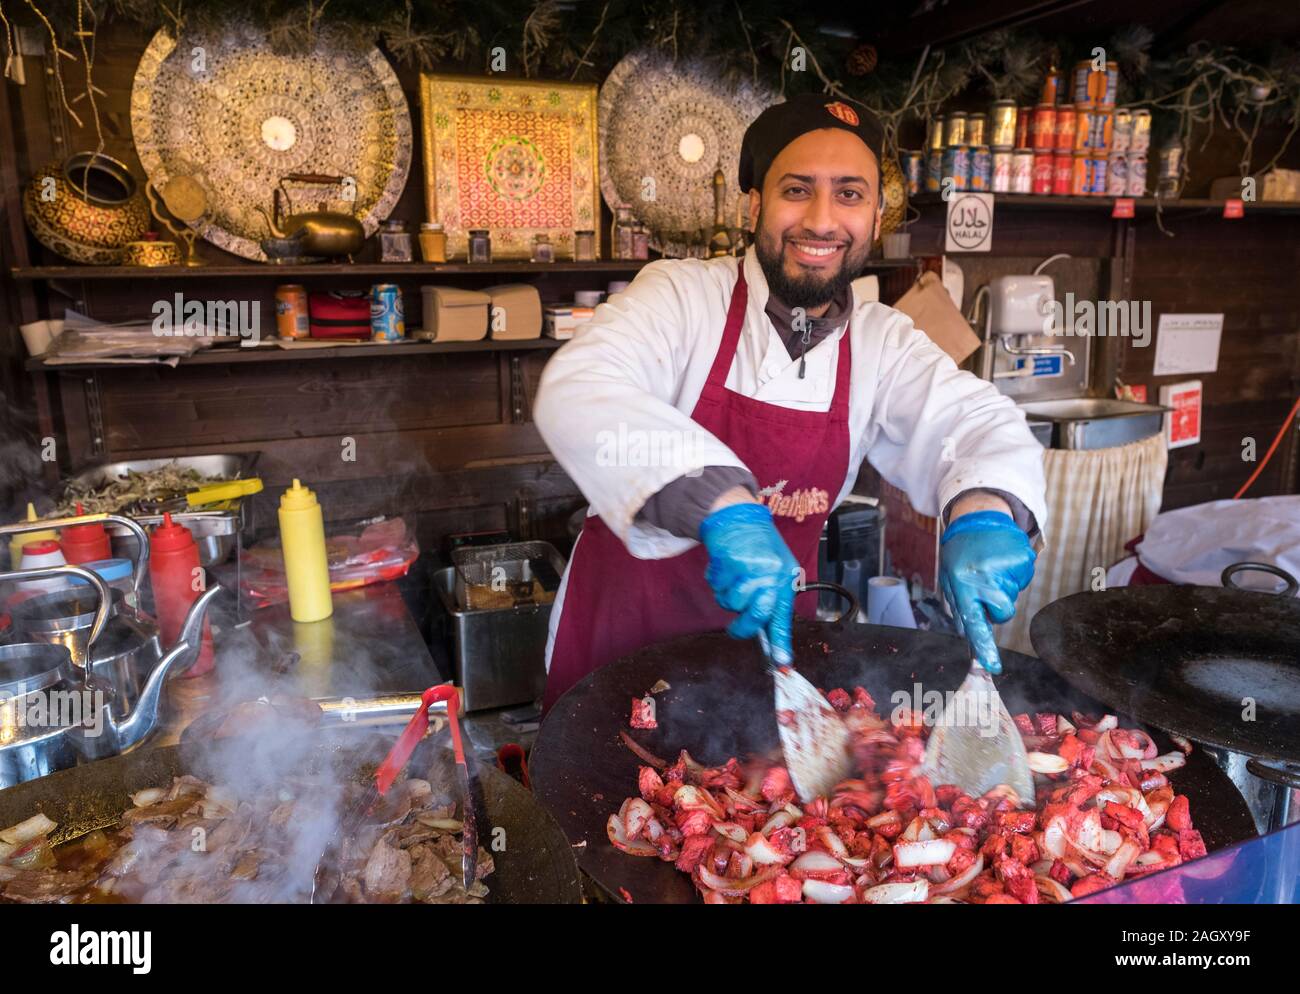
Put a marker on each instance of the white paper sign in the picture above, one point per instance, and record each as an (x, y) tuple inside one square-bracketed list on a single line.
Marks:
[(970, 222), (1187, 343)]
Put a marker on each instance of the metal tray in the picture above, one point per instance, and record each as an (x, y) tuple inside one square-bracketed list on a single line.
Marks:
[(214, 531)]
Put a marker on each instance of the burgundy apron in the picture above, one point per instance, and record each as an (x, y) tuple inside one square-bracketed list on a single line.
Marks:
[(615, 603)]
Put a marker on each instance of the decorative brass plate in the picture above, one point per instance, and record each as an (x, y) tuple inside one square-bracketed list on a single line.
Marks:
[(225, 110)]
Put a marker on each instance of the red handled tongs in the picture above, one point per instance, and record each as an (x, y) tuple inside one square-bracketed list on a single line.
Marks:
[(393, 765)]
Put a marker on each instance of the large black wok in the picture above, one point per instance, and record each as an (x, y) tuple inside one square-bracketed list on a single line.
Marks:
[(720, 705), (536, 866)]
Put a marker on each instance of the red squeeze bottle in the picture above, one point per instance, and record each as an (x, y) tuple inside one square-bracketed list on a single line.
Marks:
[(173, 569), (86, 543)]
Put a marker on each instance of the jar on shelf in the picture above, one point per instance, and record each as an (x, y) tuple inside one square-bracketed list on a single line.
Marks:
[(394, 242), (640, 242), (623, 225), (584, 246), (433, 242), (480, 245), (543, 250)]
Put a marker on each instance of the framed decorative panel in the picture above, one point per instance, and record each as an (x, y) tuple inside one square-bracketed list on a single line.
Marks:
[(517, 157)]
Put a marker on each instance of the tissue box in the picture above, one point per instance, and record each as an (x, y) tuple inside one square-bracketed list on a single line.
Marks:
[(520, 314), (454, 315), (561, 319)]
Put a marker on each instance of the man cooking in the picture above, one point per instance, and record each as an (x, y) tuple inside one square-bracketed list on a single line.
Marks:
[(715, 412)]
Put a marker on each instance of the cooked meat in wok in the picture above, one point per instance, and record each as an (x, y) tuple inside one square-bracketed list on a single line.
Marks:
[(1104, 813), (197, 842)]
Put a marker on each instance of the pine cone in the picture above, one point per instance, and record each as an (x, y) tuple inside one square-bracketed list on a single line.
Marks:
[(861, 60)]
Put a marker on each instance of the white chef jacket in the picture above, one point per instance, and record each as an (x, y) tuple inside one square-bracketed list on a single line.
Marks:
[(615, 403)]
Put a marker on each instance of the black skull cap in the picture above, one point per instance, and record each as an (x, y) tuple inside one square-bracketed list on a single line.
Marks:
[(782, 123)]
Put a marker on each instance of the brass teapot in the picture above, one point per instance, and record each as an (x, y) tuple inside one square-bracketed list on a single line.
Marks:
[(321, 232)]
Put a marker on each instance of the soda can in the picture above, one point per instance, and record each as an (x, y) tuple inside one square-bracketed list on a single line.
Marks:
[(1043, 170), (1080, 86), (956, 164), (1024, 122), (934, 170), (1096, 176), (976, 126), (1117, 175), (1140, 140), (1053, 83), (291, 311), (935, 140), (914, 168), (1064, 136), (1099, 131), (1002, 164), (954, 129), (1137, 175), (387, 316), (1121, 134), (981, 169), (1079, 178), (1022, 171), (1106, 85), (1002, 126), (1062, 173), (1042, 132)]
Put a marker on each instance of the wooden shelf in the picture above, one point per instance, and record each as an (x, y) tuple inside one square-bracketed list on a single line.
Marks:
[(1143, 205), (257, 270), (235, 355), (334, 270)]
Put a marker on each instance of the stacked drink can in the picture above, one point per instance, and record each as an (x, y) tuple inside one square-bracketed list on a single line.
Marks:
[(1074, 142)]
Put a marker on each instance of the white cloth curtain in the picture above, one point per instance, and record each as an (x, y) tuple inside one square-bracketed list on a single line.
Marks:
[(1096, 501)]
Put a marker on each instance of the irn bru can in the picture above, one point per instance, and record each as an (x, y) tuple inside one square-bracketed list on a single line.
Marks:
[(914, 167), (1097, 175), (1099, 136), (387, 316)]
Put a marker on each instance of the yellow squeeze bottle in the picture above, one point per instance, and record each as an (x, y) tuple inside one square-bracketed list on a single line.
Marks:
[(27, 538), (302, 542)]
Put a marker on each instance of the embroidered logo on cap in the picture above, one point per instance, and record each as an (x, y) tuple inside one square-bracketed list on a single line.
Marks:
[(844, 112)]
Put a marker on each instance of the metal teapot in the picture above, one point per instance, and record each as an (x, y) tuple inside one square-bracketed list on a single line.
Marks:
[(101, 727), (124, 648), (321, 232)]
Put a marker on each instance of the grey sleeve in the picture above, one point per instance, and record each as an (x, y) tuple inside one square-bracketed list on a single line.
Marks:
[(1024, 517), (681, 505)]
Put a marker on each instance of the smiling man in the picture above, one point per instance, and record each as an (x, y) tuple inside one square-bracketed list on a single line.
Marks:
[(716, 412)]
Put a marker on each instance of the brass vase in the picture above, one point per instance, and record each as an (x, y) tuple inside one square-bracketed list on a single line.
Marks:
[(86, 208)]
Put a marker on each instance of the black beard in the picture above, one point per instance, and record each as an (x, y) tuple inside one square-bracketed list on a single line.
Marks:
[(809, 290)]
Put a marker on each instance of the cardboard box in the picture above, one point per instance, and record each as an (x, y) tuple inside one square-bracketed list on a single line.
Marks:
[(515, 311), (454, 315)]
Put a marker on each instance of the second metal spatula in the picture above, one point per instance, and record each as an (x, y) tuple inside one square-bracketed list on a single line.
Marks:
[(814, 738), (975, 744)]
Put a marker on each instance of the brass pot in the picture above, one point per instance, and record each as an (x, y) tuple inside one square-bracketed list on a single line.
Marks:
[(86, 209), (151, 252)]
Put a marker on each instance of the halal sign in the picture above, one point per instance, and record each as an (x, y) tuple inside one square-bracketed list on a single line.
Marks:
[(970, 222)]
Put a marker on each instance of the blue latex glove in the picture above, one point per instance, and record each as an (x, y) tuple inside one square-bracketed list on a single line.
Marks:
[(752, 572), (985, 560)]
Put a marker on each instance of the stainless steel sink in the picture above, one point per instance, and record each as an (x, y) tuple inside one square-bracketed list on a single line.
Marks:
[(1095, 422)]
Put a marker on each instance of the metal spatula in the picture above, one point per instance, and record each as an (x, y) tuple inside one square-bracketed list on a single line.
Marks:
[(814, 738), (975, 744)]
